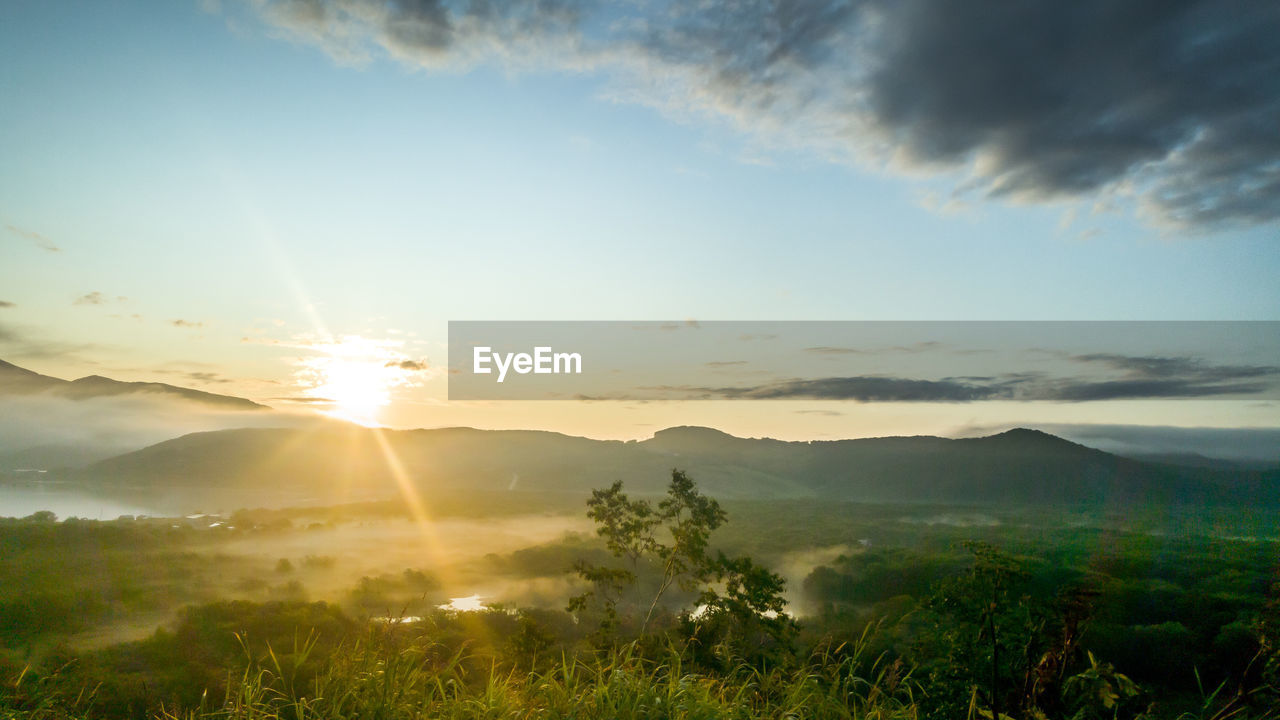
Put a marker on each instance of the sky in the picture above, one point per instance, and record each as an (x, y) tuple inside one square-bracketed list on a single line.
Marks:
[(291, 200)]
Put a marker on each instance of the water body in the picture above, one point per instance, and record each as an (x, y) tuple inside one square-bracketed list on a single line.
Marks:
[(23, 499), (470, 603), (67, 499)]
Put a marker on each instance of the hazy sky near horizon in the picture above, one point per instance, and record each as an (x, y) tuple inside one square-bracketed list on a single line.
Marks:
[(219, 194)]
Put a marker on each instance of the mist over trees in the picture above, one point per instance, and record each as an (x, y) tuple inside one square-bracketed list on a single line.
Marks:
[(671, 605)]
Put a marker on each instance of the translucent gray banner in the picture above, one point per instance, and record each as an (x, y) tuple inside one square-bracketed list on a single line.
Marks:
[(950, 362)]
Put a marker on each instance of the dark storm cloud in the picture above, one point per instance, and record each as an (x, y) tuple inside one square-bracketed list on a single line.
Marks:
[(1065, 98), (1174, 103)]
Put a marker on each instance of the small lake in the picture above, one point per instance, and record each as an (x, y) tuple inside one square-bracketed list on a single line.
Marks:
[(23, 499)]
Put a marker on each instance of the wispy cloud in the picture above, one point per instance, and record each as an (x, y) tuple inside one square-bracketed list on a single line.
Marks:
[(919, 347), (97, 298), (29, 343), (301, 399), (40, 241), (864, 389), (411, 365), (1171, 104), (1149, 367), (180, 323), (206, 377)]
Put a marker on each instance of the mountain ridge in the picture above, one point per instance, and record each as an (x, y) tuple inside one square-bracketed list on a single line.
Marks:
[(1022, 466), (16, 380)]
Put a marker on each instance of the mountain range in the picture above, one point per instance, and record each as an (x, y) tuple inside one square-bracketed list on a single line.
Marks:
[(47, 422), (1019, 466), (15, 380), (330, 459)]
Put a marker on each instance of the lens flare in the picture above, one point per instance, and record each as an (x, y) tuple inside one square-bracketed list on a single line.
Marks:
[(354, 377)]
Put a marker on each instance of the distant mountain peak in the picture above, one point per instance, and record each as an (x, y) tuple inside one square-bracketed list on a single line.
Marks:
[(1032, 440), (18, 380), (8, 366), (692, 431), (1021, 433)]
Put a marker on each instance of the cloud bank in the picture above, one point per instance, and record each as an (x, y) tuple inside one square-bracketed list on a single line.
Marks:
[(1171, 104), (1255, 446), (47, 430), (1128, 378)]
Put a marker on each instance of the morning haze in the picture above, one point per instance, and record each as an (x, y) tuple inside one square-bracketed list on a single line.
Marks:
[(920, 360)]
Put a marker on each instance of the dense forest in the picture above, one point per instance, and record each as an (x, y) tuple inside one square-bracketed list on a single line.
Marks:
[(657, 606)]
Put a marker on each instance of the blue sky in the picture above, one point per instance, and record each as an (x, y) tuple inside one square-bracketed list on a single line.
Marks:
[(215, 164)]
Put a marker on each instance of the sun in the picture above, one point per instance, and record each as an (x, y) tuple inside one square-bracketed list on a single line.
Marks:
[(354, 377), (356, 390)]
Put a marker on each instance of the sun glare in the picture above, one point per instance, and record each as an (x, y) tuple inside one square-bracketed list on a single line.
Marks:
[(354, 378)]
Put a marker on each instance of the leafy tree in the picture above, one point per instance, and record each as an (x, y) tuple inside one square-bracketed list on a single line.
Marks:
[(673, 536), (988, 631), (746, 618), (672, 540)]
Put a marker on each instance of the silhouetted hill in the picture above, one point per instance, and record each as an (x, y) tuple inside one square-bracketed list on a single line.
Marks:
[(1019, 466), (1190, 459), (15, 380), (98, 386), (51, 424)]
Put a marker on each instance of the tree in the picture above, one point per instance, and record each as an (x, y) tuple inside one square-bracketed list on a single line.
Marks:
[(671, 542), (990, 630), (746, 617)]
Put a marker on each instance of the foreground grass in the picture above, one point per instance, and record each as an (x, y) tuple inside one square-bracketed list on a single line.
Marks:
[(620, 687), (377, 679)]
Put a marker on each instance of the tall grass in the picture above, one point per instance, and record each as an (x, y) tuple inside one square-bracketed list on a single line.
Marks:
[(385, 678)]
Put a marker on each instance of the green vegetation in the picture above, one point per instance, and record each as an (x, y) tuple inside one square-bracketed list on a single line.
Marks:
[(672, 606)]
